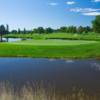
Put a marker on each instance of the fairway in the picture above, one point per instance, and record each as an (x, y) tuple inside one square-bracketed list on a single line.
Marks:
[(52, 42)]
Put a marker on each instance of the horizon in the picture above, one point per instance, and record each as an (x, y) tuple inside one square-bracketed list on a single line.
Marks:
[(30, 14)]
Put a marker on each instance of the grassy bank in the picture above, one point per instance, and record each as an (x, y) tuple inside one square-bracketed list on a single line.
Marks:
[(70, 36), (47, 49)]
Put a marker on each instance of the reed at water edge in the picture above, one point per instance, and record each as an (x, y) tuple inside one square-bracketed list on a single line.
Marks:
[(7, 92)]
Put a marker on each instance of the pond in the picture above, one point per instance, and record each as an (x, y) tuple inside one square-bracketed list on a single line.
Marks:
[(61, 74), (14, 39), (11, 39)]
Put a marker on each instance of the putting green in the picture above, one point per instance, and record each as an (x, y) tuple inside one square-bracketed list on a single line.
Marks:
[(53, 42)]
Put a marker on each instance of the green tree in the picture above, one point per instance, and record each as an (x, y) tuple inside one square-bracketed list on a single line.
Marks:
[(48, 30), (71, 29), (35, 30), (87, 29), (96, 24), (40, 30), (7, 29), (63, 29), (80, 29), (24, 31), (2, 31), (19, 31), (14, 32)]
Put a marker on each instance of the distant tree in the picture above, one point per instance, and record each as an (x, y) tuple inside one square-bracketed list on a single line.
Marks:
[(40, 30), (48, 30), (24, 31), (7, 29), (63, 29), (14, 32), (35, 30), (19, 31), (56, 30), (87, 29), (2, 31), (71, 29), (96, 24), (29, 31), (80, 29)]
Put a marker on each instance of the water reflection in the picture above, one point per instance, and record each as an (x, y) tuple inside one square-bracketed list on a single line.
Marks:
[(11, 39), (69, 61), (64, 76), (96, 66)]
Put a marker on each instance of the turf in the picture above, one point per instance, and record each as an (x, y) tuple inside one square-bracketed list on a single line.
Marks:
[(66, 49), (53, 42)]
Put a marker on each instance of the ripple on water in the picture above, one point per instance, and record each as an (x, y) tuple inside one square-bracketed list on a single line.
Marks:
[(69, 61)]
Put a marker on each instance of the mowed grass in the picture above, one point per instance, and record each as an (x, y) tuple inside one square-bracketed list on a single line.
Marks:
[(53, 42), (51, 49)]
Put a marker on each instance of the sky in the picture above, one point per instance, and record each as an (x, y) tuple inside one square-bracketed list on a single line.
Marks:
[(48, 13)]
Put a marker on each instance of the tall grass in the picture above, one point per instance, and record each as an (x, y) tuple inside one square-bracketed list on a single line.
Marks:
[(28, 93)]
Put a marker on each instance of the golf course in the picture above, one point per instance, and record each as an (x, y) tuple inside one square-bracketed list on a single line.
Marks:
[(74, 42), (49, 49), (52, 48)]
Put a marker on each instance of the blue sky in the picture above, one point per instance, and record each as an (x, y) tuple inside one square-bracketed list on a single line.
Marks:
[(53, 13)]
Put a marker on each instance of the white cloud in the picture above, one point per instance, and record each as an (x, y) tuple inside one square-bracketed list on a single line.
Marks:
[(70, 2), (53, 3), (96, 0), (86, 11), (91, 13)]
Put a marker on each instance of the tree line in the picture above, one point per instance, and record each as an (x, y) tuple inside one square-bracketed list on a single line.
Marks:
[(3, 30), (65, 29)]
